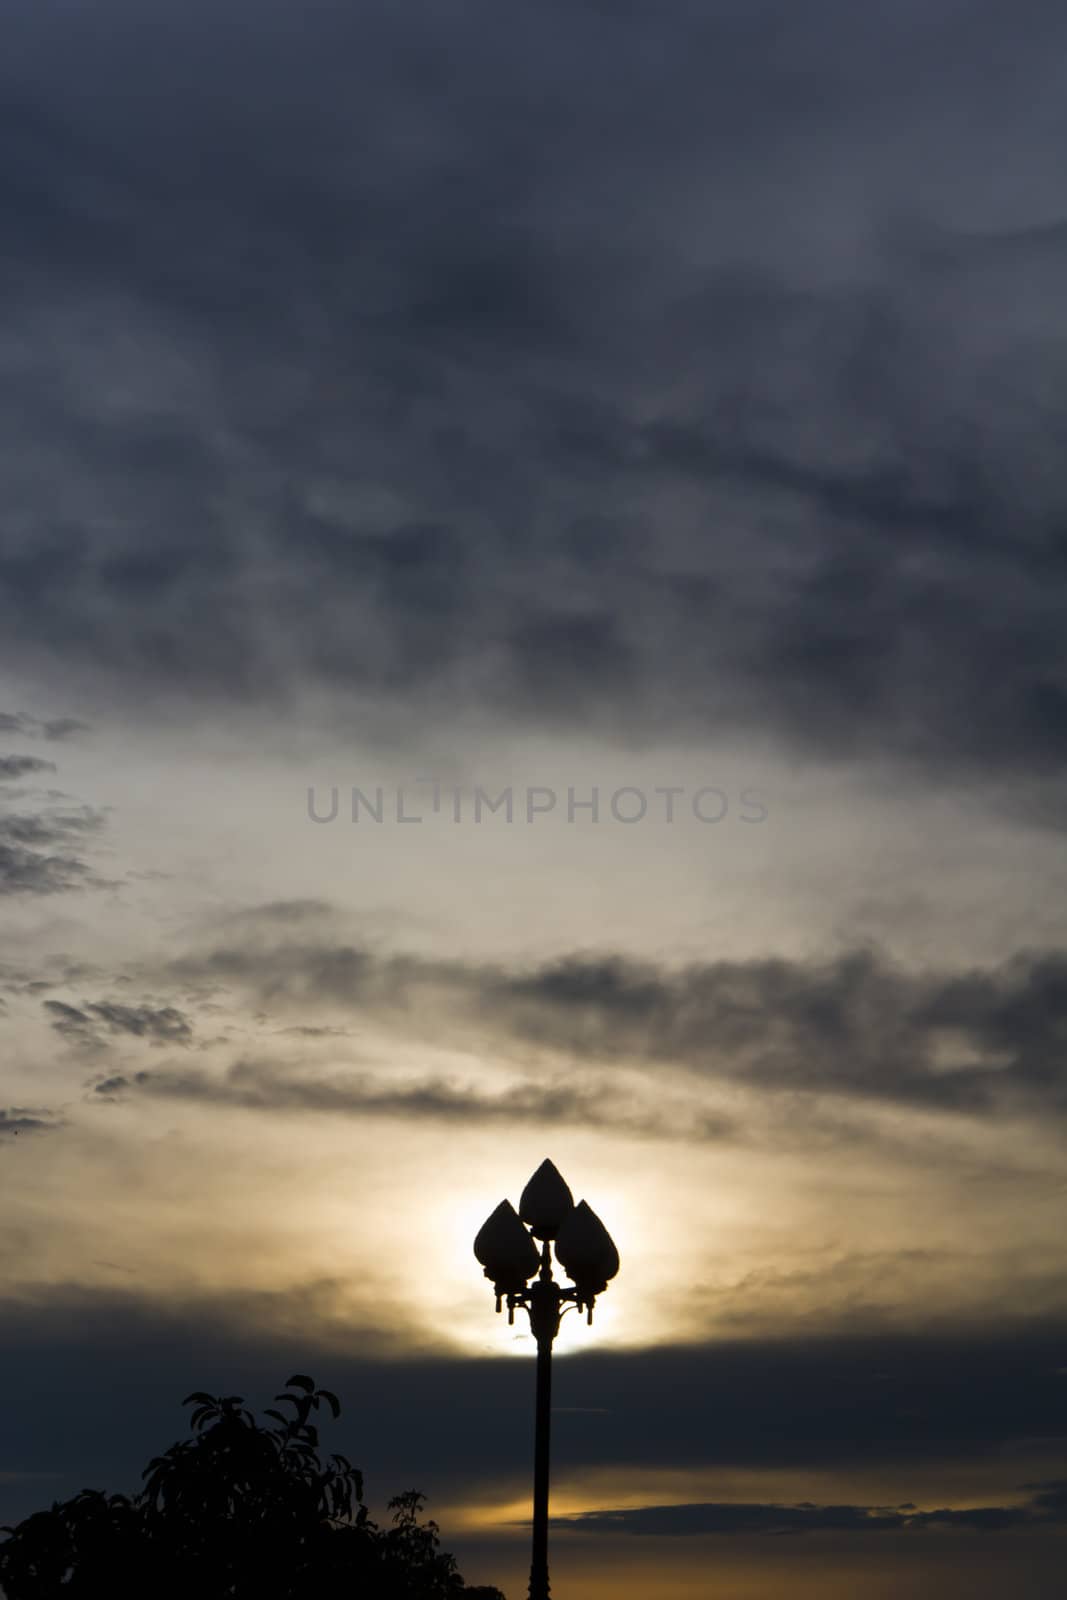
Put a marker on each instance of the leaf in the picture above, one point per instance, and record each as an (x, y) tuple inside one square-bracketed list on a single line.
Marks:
[(301, 1381), (334, 1403), (198, 1394)]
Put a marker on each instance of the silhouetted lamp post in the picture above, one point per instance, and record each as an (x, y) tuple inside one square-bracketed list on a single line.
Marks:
[(506, 1249)]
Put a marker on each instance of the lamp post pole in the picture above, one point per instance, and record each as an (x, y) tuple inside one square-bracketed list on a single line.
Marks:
[(511, 1259), (544, 1324)]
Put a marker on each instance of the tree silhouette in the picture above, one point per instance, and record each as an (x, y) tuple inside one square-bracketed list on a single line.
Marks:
[(239, 1511)]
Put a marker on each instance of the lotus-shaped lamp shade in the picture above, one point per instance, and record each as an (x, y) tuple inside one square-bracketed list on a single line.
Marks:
[(585, 1248), (546, 1202), (506, 1250)]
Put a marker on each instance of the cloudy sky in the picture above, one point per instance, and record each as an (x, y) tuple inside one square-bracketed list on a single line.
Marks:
[(532, 591)]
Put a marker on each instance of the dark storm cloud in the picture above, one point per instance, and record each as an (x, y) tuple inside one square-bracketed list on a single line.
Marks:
[(423, 363), (1047, 1505), (967, 1395), (89, 1024), (859, 1026)]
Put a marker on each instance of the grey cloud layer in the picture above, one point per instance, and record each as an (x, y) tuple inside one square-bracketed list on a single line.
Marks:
[(435, 368), (261, 1086), (975, 1041)]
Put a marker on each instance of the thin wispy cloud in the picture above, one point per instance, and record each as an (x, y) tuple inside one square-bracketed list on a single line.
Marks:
[(1045, 1506)]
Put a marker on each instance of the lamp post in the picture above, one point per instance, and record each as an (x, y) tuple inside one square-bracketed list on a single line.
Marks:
[(507, 1250)]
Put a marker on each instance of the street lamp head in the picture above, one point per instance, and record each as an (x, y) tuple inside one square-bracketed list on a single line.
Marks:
[(506, 1250), (586, 1250), (546, 1202)]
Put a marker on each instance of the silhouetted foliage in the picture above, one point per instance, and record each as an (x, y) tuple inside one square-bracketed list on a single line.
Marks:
[(239, 1510)]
